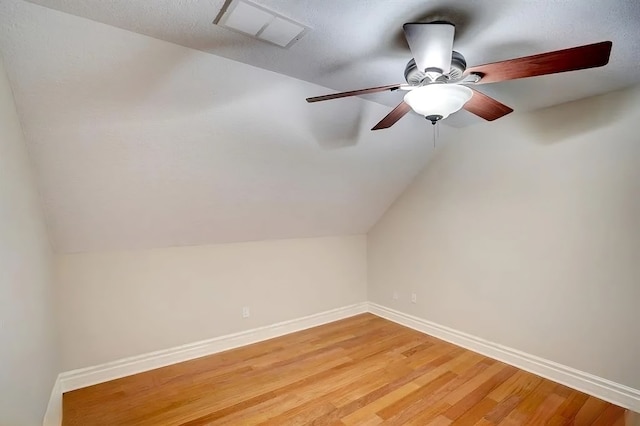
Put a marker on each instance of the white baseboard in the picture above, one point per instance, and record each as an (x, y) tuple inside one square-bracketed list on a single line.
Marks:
[(53, 415), (76, 379), (607, 390)]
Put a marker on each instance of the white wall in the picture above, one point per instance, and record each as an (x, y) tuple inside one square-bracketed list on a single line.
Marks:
[(28, 355), (526, 232), (119, 304)]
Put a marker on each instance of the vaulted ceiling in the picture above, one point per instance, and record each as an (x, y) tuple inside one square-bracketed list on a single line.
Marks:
[(359, 43), (161, 128)]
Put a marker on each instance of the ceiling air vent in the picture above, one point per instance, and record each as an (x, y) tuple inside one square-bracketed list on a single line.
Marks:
[(261, 23)]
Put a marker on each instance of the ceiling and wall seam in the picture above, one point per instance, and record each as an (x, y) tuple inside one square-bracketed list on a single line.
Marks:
[(34, 173), (139, 142), (138, 148)]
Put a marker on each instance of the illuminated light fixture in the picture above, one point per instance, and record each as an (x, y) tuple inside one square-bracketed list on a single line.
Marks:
[(438, 101)]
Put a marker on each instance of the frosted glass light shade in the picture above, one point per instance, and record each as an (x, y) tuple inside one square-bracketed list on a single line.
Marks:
[(438, 99)]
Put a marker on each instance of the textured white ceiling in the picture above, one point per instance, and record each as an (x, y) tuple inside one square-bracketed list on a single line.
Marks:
[(142, 143), (359, 43)]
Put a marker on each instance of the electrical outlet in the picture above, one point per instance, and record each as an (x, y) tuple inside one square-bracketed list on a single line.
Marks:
[(395, 295), (245, 312), (414, 298)]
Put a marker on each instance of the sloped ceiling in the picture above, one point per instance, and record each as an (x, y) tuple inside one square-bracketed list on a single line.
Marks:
[(205, 137), (359, 43), (142, 143)]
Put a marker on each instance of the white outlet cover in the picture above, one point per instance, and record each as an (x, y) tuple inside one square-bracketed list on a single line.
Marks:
[(414, 298), (395, 295), (245, 312)]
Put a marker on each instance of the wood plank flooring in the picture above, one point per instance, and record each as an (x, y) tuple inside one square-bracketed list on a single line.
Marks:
[(362, 370)]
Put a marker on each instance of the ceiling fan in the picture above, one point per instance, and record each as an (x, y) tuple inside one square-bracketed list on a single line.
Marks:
[(438, 77)]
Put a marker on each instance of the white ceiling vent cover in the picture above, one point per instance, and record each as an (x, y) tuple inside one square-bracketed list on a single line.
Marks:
[(261, 23)]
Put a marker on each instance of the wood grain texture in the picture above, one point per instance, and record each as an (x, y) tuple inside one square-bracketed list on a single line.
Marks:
[(396, 114), (363, 370), (486, 107), (353, 93), (572, 59)]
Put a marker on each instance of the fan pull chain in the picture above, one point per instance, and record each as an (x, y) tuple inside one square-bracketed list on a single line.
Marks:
[(434, 135)]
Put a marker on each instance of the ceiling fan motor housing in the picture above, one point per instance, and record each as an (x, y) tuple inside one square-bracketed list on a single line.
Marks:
[(414, 76)]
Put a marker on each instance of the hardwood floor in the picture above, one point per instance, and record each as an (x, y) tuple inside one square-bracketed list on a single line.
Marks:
[(362, 370)]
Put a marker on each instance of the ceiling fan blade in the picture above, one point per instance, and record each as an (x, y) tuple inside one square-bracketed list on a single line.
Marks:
[(355, 93), (396, 114), (431, 44), (575, 58), (486, 107)]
